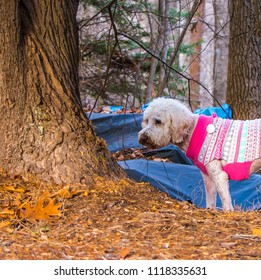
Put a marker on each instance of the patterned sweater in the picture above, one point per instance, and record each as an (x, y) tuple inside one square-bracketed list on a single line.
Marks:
[(236, 142)]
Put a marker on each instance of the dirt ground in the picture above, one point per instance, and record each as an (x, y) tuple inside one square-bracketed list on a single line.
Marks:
[(122, 220)]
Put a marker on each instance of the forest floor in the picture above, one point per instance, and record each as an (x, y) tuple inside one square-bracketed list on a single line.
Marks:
[(122, 220)]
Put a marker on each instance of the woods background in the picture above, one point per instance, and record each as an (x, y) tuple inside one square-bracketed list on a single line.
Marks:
[(134, 42)]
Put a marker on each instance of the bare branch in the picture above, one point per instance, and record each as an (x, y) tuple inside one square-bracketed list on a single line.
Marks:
[(189, 79), (180, 40), (85, 22)]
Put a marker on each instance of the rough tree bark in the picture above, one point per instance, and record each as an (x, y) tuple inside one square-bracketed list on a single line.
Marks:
[(45, 135), (244, 67)]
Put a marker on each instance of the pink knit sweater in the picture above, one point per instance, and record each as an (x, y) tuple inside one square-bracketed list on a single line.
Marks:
[(236, 142)]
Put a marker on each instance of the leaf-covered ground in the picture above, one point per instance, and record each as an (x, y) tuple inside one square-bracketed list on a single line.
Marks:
[(122, 220)]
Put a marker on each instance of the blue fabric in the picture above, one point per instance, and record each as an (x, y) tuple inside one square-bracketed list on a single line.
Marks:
[(185, 183), (119, 130), (225, 113), (181, 179), (114, 109)]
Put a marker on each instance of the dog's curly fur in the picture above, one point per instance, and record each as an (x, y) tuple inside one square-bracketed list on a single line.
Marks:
[(168, 121)]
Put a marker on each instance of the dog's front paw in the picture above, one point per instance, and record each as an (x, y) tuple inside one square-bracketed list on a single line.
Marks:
[(228, 208)]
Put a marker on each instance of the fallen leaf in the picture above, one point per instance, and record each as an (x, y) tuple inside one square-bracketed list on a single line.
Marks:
[(17, 201), (160, 159), (64, 193), (40, 211), (13, 189), (68, 193), (257, 232), (228, 245), (85, 193), (124, 253), (4, 224), (6, 212)]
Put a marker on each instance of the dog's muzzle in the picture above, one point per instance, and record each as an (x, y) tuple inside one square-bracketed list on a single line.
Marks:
[(143, 139)]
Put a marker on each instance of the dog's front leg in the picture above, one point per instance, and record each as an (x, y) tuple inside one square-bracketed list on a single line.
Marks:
[(220, 178), (211, 191)]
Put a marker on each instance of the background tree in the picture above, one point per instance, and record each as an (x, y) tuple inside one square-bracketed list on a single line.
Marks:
[(244, 68), (44, 132), (159, 44), (220, 63), (140, 38)]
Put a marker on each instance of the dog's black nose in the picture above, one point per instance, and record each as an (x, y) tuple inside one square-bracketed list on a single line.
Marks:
[(143, 138)]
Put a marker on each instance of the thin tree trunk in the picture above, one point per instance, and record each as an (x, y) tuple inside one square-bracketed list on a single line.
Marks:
[(44, 132), (156, 42), (244, 67), (165, 39), (195, 66), (221, 50), (151, 80), (193, 10)]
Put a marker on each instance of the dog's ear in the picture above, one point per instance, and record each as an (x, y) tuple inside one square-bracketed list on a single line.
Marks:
[(179, 127)]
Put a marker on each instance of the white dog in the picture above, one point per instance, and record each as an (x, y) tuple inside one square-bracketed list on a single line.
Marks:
[(222, 149)]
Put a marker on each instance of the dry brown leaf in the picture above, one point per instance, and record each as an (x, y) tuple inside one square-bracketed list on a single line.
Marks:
[(161, 159), (228, 245), (40, 211)]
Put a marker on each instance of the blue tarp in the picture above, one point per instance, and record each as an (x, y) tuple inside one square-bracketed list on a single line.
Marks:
[(119, 130), (225, 112), (180, 178), (184, 182)]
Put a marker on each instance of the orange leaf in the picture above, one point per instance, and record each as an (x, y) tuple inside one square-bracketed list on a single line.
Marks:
[(13, 189), (257, 232), (124, 253), (67, 193), (64, 193), (6, 212), (85, 193), (4, 224), (40, 211)]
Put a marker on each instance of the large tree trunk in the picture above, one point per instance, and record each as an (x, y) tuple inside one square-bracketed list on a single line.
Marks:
[(44, 133), (244, 67)]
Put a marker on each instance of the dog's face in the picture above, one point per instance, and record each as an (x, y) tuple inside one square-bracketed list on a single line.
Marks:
[(155, 131), (165, 121)]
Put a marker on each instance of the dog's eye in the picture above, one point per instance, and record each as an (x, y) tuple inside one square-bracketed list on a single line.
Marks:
[(157, 121)]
